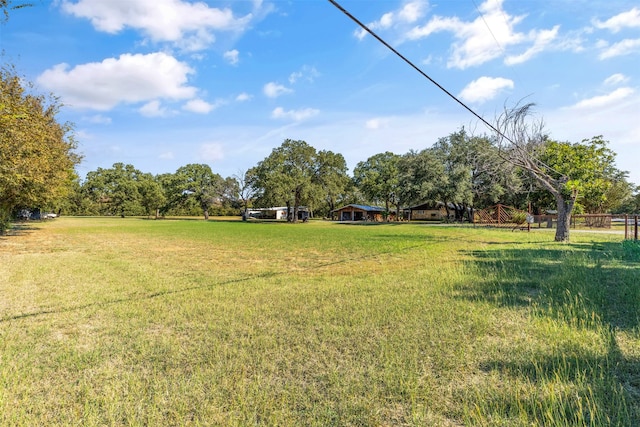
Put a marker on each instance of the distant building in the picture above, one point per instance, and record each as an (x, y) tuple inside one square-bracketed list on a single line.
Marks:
[(359, 213), (279, 212), (428, 212)]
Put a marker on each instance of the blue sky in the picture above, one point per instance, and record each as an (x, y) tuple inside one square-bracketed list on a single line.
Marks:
[(163, 83)]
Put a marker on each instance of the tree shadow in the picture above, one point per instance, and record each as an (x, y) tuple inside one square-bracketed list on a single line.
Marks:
[(603, 275), (591, 286), (572, 388), (19, 229), (370, 223)]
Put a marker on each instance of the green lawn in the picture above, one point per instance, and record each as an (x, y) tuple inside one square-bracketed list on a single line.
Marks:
[(108, 321)]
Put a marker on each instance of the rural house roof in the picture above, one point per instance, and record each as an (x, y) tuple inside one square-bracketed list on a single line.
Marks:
[(365, 208)]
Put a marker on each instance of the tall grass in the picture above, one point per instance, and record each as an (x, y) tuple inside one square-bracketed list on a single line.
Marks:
[(135, 322)]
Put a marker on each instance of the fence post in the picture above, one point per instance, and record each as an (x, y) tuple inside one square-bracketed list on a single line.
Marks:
[(626, 226), (635, 233)]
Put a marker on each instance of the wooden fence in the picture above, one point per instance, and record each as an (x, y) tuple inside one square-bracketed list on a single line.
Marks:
[(503, 216), (509, 217), (606, 221), (631, 227)]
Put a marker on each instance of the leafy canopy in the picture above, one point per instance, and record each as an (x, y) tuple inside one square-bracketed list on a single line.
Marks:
[(37, 153)]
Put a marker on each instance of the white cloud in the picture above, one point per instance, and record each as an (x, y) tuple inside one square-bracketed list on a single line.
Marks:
[(243, 97), (476, 44), (605, 100), (542, 40), (199, 106), (377, 123), (232, 56), (296, 115), (306, 73), (153, 109), (167, 155), (624, 47), (99, 119), (412, 11), (616, 79), (127, 79), (274, 90), (188, 24), (484, 89), (629, 19), (211, 152), (408, 14)]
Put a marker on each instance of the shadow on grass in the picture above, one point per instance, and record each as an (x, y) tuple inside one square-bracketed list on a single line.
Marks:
[(369, 223), (571, 389), (592, 286), (603, 275), (19, 229)]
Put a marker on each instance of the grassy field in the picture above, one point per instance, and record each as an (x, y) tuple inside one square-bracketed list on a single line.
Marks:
[(107, 321)]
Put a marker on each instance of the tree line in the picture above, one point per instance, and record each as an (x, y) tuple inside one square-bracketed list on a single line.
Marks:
[(520, 167), (462, 171)]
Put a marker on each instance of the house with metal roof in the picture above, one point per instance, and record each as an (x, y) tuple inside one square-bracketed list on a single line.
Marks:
[(355, 212)]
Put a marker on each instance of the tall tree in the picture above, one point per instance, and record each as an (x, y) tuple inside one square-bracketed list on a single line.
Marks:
[(37, 153), (456, 186), (246, 190), (230, 193), (152, 196), (287, 175), (520, 142), (473, 174), (600, 186), (420, 175), (199, 182), (565, 170), (116, 188), (378, 178), (331, 175)]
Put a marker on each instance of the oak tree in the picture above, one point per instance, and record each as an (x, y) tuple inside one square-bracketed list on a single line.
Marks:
[(37, 152)]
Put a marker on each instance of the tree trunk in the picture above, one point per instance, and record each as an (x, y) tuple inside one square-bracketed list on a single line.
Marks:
[(157, 213), (294, 218), (296, 205), (565, 207), (388, 211), (206, 214), (332, 206)]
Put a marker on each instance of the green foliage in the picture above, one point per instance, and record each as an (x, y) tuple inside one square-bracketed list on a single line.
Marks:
[(590, 166), (421, 175), (451, 152), (631, 204), (152, 196), (379, 178), (519, 217), (37, 153), (473, 174), (200, 183), (332, 178), (295, 174), (116, 190)]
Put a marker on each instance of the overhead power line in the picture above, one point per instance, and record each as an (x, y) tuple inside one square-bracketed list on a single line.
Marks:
[(415, 67)]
